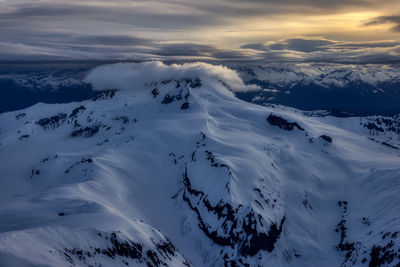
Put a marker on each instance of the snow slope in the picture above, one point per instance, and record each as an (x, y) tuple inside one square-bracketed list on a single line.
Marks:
[(168, 167)]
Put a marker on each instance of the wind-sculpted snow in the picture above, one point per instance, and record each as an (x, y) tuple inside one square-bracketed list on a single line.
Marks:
[(168, 168)]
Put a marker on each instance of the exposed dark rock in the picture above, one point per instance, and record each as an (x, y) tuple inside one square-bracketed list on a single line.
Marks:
[(103, 142), (123, 119), (384, 255), (261, 195), (166, 247), (259, 240), (172, 154), (20, 116), (384, 124), (307, 204), (168, 99), (68, 258), (282, 123), (77, 124), (76, 111), (46, 159), (25, 136), (229, 238), (86, 131), (155, 92), (350, 248), (177, 95), (326, 138), (52, 122), (185, 105), (389, 145), (366, 221), (214, 162), (246, 234), (228, 262), (125, 249), (83, 160), (195, 83), (35, 172), (372, 126), (153, 257), (109, 94)]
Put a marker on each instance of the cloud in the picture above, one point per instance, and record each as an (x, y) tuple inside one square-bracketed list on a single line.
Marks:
[(189, 29), (316, 49), (111, 40), (385, 20), (193, 50), (295, 44), (135, 76), (185, 49), (18, 51), (134, 14), (376, 44), (94, 47)]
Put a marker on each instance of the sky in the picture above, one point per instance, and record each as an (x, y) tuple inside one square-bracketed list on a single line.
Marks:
[(333, 31)]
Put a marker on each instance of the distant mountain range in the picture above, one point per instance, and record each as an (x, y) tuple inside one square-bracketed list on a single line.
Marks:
[(344, 90)]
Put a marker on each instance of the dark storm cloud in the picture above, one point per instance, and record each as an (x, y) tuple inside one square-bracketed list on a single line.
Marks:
[(381, 44), (233, 55), (111, 40), (192, 50), (307, 45), (93, 46), (296, 44), (323, 50), (318, 45), (386, 20), (185, 49), (260, 46), (79, 40), (37, 10)]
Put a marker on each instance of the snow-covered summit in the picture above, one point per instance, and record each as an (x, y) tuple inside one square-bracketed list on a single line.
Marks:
[(168, 167)]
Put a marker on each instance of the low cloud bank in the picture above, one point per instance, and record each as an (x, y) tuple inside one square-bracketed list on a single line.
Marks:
[(133, 76)]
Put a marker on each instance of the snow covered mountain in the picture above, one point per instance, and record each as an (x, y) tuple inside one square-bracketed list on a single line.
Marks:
[(324, 75), (361, 90), (168, 168)]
